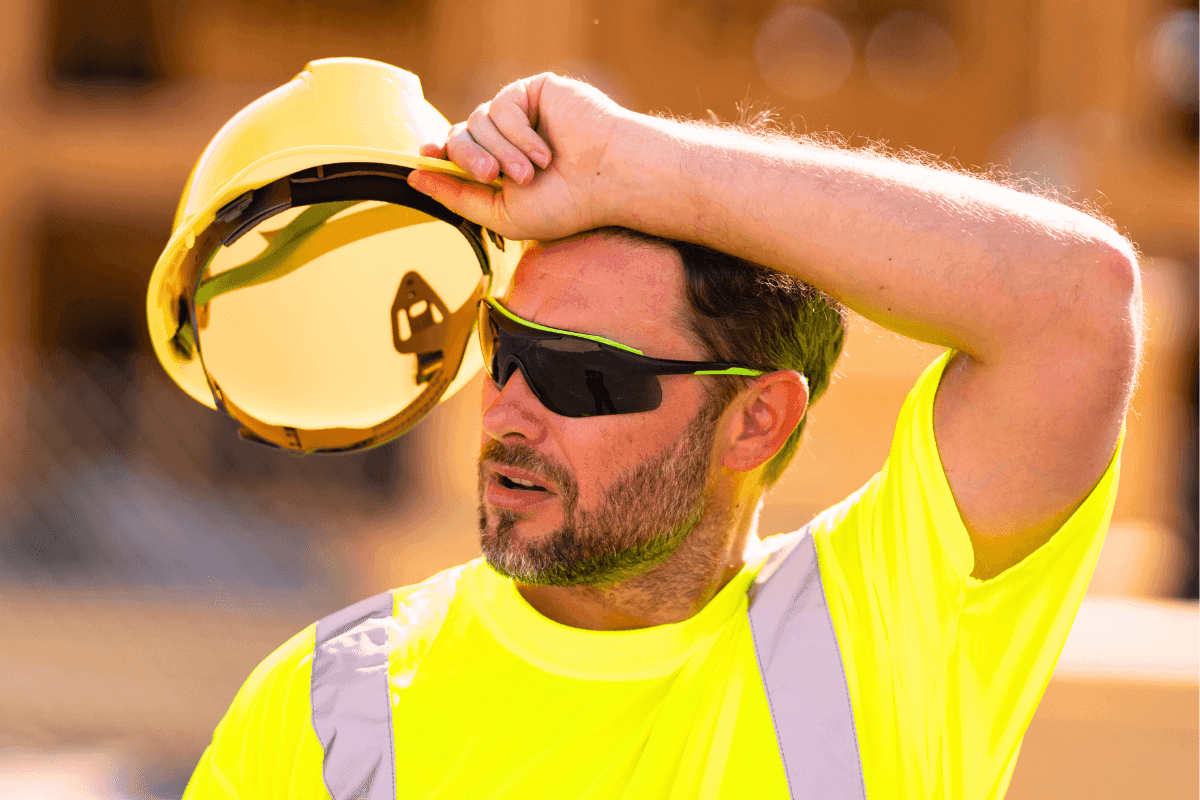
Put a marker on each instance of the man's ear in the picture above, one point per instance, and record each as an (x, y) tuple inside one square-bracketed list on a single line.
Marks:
[(764, 416)]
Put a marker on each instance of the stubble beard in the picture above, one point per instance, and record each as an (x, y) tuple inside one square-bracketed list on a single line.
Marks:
[(647, 512)]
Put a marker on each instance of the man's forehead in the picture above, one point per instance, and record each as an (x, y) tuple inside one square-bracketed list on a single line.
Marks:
[(629, 291)]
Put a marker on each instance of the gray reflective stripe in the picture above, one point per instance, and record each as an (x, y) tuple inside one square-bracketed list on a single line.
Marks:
[(352, 712), (803, 675)]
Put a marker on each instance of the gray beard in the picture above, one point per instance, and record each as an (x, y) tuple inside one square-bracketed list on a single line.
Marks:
[(646, 513)]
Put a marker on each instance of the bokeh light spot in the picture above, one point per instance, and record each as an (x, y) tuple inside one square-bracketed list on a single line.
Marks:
[(803, 52), (910, 56), (1173, 55)]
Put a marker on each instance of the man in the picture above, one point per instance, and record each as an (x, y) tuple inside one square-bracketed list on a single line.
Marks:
[(630, 636)]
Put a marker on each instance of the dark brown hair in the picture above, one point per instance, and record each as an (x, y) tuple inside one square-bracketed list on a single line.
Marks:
[(755, 317)]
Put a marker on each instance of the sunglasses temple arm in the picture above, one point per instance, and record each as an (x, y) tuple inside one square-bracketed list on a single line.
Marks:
[(750, 373)]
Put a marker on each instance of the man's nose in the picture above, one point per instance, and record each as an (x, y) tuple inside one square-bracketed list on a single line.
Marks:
[(513, 410)]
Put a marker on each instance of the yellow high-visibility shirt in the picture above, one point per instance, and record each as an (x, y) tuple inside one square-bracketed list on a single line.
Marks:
[(945, 670), (488, 699)]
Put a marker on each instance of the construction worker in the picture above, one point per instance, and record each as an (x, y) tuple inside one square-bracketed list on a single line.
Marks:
[(627, 633)]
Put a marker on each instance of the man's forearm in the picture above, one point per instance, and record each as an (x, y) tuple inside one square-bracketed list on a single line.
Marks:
[(930, 253)]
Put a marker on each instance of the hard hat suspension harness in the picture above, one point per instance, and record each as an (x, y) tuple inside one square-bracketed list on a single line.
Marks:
[(438, 344)]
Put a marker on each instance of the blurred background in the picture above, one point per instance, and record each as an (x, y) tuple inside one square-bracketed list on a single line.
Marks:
[(149, 558)]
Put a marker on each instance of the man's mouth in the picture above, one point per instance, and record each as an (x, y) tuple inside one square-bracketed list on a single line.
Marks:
[(518, 483)]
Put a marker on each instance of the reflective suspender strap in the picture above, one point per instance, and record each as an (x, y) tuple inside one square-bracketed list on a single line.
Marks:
[(352, 715), (803, 675)]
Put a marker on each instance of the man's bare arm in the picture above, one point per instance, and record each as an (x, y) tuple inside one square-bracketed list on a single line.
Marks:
[(1041, 301)]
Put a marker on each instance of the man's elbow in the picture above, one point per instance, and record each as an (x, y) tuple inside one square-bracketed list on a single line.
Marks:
[(1118, 272), (1115, 319)]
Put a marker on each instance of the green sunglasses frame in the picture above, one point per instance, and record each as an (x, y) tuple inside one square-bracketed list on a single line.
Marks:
[(637, 361)]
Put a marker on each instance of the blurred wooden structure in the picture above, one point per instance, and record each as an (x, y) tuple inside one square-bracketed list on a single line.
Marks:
[(102, 140)]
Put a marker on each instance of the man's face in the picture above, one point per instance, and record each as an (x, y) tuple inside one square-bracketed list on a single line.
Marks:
[(620, 492)]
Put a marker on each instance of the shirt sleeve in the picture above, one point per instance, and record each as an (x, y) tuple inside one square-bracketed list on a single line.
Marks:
[(944, 670), (265, 747)]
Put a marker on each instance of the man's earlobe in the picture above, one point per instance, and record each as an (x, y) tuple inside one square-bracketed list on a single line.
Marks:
[(766, 418)]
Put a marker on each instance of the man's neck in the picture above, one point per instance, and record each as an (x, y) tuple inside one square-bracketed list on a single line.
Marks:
[(673, 591)]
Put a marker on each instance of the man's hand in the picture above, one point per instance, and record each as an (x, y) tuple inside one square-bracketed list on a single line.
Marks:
[(561, 127)]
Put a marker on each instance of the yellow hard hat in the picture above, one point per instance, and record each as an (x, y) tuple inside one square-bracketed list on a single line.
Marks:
[(308, 291)]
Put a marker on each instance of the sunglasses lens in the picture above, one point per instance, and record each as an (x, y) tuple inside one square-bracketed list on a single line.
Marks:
[(578, 378), (573, 377), (489, 339)]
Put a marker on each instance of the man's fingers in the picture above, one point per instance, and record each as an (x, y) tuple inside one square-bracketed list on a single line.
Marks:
[(514, 113), (475, 201), (514, 162), (463, 150), (432, 150)]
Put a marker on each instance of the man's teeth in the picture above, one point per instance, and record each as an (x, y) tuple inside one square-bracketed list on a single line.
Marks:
[(521, 483)]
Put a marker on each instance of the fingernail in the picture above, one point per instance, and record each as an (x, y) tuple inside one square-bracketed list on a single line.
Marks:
[(519, 173), (541, 159), (481, 168)]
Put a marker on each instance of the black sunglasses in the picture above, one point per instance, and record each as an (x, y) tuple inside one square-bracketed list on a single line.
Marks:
[(576, 374)]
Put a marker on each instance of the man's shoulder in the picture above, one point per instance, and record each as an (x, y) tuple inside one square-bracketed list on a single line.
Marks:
[(409, 617), (431, 594)]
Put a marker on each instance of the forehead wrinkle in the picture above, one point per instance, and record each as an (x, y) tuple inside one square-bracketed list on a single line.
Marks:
[(600, 286)]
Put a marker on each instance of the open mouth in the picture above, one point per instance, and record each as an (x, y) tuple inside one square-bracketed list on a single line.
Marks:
[(517, 483)]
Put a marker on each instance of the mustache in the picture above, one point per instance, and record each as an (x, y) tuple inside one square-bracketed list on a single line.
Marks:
[(522, 456)]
